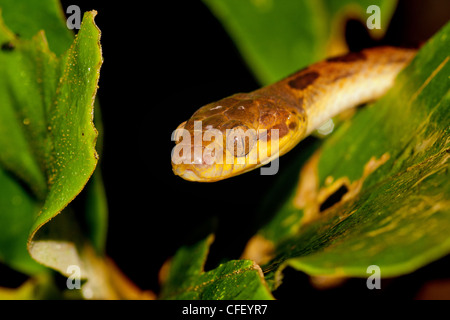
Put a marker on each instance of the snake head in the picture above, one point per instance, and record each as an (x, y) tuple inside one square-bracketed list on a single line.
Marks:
[(232, 136)]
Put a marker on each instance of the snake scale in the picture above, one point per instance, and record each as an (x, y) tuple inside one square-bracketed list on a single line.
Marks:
[(225, 138)]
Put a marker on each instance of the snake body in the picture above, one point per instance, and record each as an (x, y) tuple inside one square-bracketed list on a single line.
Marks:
[(294, 106)]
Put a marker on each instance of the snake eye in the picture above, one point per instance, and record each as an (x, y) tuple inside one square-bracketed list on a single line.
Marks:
[(240, 140)]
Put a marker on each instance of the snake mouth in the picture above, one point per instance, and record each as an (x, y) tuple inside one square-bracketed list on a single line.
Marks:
[(186, 174), (203, 171), (190, 172)]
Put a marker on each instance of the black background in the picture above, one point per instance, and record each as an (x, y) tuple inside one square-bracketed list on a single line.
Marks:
[(162, 61)]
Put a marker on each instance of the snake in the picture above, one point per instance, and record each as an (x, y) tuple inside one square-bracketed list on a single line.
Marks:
[(245, 131)]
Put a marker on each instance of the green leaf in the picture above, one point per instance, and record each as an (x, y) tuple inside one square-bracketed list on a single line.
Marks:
[(48, 155), (17, 211), (48, 137), (391, 160), (72, 158), (27, 18), (186, 279), (277, 38)]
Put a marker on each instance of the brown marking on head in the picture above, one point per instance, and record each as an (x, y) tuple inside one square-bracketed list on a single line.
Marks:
[(282, 130), (349, 57), (267, 118), (244, 111), (229, 124), (213, 122), (304, 80), (209, 122)]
